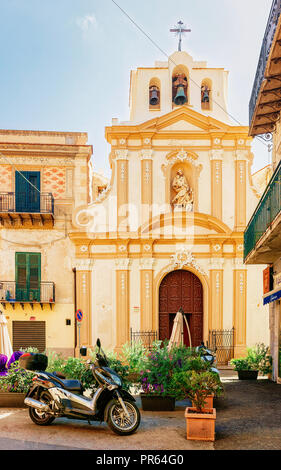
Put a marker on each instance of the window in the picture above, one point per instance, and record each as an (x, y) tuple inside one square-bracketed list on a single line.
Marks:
[(28, 277), (27, 188)]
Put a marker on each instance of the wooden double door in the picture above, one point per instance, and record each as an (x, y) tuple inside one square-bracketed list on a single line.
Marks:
[(181, 288)]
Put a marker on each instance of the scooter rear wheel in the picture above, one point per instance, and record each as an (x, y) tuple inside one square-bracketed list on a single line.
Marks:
[(117, 419), (41, 417)]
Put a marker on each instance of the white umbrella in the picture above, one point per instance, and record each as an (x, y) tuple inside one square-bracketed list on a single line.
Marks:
[(5, 343), (176, 338)]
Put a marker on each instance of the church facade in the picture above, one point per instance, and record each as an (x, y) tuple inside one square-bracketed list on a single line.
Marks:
[(167, 231)]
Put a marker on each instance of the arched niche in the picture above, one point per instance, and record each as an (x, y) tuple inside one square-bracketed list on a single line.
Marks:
[(180, 78), (206, 94), (154, 100), (187, 162)]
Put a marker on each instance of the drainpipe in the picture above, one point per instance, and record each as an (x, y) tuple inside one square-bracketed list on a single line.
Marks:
[(75, 309)]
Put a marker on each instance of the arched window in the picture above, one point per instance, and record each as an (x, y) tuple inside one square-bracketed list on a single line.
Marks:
[(154, 94), (180, 86), (206, 94)]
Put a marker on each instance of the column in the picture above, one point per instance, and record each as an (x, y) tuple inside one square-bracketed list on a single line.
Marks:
[(216, 282), (216, 183), (122, 168), (83, 301), (122, 268), (239, 307), (146, 294)]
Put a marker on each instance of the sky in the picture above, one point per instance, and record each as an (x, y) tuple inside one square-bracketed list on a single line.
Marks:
[(65, 64)]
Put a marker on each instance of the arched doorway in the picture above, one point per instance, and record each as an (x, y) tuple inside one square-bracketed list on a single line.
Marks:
[(181, 288)]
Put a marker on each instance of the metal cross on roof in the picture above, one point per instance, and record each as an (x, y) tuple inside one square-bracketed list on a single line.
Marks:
[(180, 30)]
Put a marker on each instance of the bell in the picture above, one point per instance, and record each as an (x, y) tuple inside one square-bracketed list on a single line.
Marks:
[(154, 98), (180, 97)]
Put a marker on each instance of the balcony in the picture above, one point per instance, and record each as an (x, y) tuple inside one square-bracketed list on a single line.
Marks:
[(262, 237), (26, 208), (265, 102), (12, 293)]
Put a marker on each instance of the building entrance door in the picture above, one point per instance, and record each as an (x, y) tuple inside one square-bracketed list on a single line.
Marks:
[(181, 288)]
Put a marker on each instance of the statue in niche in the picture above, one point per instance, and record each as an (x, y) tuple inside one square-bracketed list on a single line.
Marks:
[(184, 194)]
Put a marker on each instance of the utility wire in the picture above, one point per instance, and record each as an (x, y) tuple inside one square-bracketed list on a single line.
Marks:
[(169, 58)]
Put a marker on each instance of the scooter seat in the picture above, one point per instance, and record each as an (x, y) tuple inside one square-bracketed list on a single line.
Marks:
[(71, 385)]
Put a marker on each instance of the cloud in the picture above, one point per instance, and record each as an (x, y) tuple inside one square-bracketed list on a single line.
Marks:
[(86, 22)]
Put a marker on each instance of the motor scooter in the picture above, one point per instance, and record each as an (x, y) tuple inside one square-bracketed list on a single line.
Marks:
[(51, 396), (208, 356)]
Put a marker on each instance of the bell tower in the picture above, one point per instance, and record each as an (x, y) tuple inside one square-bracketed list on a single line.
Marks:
[(180, 81)]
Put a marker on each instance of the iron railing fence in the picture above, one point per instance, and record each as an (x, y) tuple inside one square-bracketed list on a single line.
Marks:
[(43, 292), (266, 211), (147, 338), (222, 342), (265, 49), (27, 203)]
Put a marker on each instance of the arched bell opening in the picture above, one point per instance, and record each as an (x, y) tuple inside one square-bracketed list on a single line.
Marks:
[(154, 94), (206, 94), (180, 86)]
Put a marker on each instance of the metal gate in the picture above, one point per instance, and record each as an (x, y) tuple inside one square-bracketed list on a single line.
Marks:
[(146, 337), (222, 341)]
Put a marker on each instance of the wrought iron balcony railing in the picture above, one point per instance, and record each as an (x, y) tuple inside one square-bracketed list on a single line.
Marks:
[(43, 203), (38, 292), (267, 210), (264, 54)]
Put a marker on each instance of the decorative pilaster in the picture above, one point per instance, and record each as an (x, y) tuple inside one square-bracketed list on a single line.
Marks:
[(239, 307), (122, 189), (122, 268), (84, 299), (216, 282), (216, 183), (240, 189), (146, 185), (146, 294)]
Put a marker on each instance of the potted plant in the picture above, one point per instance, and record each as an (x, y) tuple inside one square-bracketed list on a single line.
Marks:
[(197, 386), (14, 386), (257, 360), (133, 355), (158, 389), (156, 392)]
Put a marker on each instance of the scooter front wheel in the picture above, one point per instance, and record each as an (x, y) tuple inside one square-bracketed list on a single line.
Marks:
[(117, 419)]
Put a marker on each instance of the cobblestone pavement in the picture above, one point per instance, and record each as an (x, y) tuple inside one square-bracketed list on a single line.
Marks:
[(249, 416)]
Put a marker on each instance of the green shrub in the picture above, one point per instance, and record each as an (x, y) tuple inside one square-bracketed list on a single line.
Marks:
[(258, 358), (196, 386), (17, 380)]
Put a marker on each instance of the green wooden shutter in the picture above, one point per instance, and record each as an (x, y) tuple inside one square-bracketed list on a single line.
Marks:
[(34, 276), (27, 196), (28, 276)]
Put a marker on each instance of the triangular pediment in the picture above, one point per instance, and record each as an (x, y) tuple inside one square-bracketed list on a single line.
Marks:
[(184, 119)]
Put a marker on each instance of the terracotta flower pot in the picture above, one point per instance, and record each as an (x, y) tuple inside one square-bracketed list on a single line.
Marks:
[(200, 426)]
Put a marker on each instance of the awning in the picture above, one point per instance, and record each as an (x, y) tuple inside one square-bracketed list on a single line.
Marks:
[(271, 296)]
